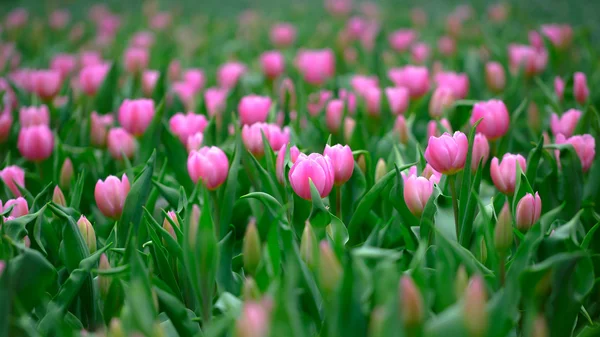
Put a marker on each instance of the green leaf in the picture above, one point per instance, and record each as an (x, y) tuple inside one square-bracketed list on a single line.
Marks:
[(177, 155), (229, 189), (151, 137), (139, 295), (319, 214), (177, 313), (31, 275), (106, 94)]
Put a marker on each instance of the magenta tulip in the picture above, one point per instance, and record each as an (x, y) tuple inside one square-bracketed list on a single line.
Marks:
[(121, 143), (529, 210), (432, 128), (92, 77), (46, 83), (13, 176), (194, 78), (585, 147), (398, 99), (420, 52), (401, 128), (229, 74), (275, 136), (417, 191), (280, 163), (342, 161), (149, 80), (36, 143), (402, 39), (99, 128), (19, 207), (446, 45), (272, 63), (580, 88), (481, 151), (442, 99), (504, 174), (458, 83), (316, 66), (195, 141), (413, 78), (559, 88), (533, 61), (185, 125), (559, 35), (254, 109), (496, 120), (372, 97), (447, 153), (209, 164), (333, 115), (566, 123), (215, 99), (283, 34), (315, 168), (34, 115), (110, 195), (494, 76), (6, 121), (136, 115)]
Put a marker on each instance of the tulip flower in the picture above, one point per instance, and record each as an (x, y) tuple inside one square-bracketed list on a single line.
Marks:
[(272, 64), (372, 97), (17, 18), (495, 77), (481, 151), (532, 60), (317, 101), (13, 176), (475, 314), (283, 34), (443, 98), (417, 191), (110, 195), (88, 233), (194, 78), (149, 80), (398, 99), (458, 83), (46, 83), (447, 153), (496, 120), (253, 321), (413, 78), (566, 123), (580, 88), (209, 164), (585, 147), (329, 269), (36, 143), (504, 173), (446, 45), (411, 302), (33, 115), (342, 161), (360, 83), (121, 143), (251, 248), (315, 168), (420, 52), (559, 35), (92, 77), (195, 141), (559, 88), (19, 207), (503, 232), (229, 74), (316, 66), (254, 109), (99, 125), (529, 210), (6, 121), (280, 162), (136, 115), (215, 99), (186, 125), (66, 174), (401, 40), (333, 115)]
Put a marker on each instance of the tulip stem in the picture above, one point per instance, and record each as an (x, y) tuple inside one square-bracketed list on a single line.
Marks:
[(338, 202), (216, 215), (452, 184), (502, 269)]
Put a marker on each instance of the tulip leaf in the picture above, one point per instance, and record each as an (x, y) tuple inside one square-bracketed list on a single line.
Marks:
[(105, 97)]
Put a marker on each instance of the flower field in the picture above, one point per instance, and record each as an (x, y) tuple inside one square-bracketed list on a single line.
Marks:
[(321, 168)]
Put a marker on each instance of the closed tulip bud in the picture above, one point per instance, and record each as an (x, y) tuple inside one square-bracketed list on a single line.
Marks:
[(559, 35), (253, 321), (447, 46), (195, 141), (495, 77), (186, 125), (315, 168), (110, 195), (66, 174), (58, 197), (401, 40), (99, 128), (411, 302), (149, 80), (36, 143), (209, 164), (6, 121), (461, 281), (121, 143), (194, 223), (33, 115), (185, 93), (91, 78), (585, 147), (251, 248), (380, 169), (481, 151), (19, 205), (136, 115), (280, 163), (250, 291), (372, 97), (417, 191), (431, 174), (420, 52), (457, 82), (330, 269), (316, 66), (475, 313), (447, 154), (46, 83), (229, 74), (566, 123), (495, 122), (398, 99), (136, 60), (194, 78), (413, 78), (362, 164), (349, 125), (333, 115), (115, 328), (580, 88), (503, 232), (377, 322), (87, 232), (254, 109), (504, 174), (401, 129), (529, 210), (272, 64), (441, 101), (308, 247), (252, 136), (432, 128), (13, 176), (342, 161), (168, 226), (559, 88), (540, 327), (283, 34), (531, 59)]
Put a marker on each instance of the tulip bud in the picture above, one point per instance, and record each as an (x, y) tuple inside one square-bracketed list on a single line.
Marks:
[(136, 59), (254, 321), (104, 281), (372, 96), (504, 174), (565, 124), (36, 143), (229, 74), (316, 66), (362, 163), (13, 176), (110, 195), (432, 128), (380, 169), (282, 34), (495, 77), (87, 232), (417, 191), (461, 281), (254, 109), (475, 313), (167, 224), (447, 154), (58, 197), (121, 144), (481, 151), (559, 88), (115, 328), (272, 64), (136, 115), (149, 80), (411, 302), (503, 232), (585, 147), (91, 77), (316, 168), (349, 125), (209, 165), (194, 223), (580, 88), (495, 118), (66, 173), (377, 321), (540, 327), (330, 270), (20, 207), (441, 101), (333, 115), (250, 291), (529, 209), (99, 125), (413, 78), (6, 121), (402, 129), (308, 245), (342, 160), (251, 248)]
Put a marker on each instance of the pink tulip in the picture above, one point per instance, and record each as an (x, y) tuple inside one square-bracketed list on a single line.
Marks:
[(195, 78), (349, 125), (34, 115), (99, 128), (338, 7), (454, 25), (447, 46), (459, 83), (6, 121), (398, 99), (160, 20), (504, 174), (13, 176), (418, 17), (280, 163), (447, 153), (333, 115), (585, 147), (412, 171), (316, 66), (481, 151), (559, 88), (229, 74), (9, 100), (532, 60), (360, 83), (194, 142), (372, 97), (349, 98), (536, 40), (46, 83), (209, 164), (272, 63), (275, 136), (355, 27), (401, 129), (342, 161), (136, 115), (174, 70), (17, 18), (431, 174), (498, 13), (317, 101), (59, 19), (253, 109), (185, 125), (92, 77), (529, 210), (136, 59), (580, 88), (283, 34), (559, 35), (401, 40), (121, 143), (495, 122), (186, 94), (565, 124), (143, 39), (413, 78), (90, 58), (36, 143), (149, 80), (65, 64), (420, 52), (417, 191), (441, 101), (315, 168), (215, 99), (432, 128), (254, 320), (19, 207), (495, 77), (110, 195)]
